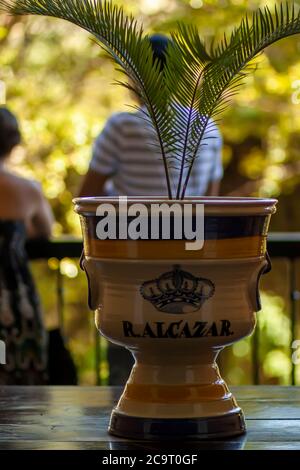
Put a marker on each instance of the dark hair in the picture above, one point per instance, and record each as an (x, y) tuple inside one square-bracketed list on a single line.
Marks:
[(10, 134), (159, 44)]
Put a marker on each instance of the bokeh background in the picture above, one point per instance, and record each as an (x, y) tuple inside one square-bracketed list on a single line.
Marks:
[(60, 84)]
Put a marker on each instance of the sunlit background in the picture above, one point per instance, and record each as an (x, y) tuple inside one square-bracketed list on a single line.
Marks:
[(60, 85)]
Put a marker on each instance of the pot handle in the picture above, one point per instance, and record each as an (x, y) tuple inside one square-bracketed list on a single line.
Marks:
[(93, 282), (254, 287)]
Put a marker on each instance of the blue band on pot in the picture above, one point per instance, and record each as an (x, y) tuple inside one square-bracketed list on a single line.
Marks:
[(215, 227)]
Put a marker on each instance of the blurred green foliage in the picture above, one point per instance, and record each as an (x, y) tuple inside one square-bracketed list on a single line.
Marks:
[(59, 83)]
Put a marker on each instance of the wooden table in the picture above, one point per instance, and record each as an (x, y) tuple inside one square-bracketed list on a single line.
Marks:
[(77, 418)]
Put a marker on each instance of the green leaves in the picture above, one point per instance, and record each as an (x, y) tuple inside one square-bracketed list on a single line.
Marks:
[(231, 61), (197, 83), (187, 58), (124, 41)]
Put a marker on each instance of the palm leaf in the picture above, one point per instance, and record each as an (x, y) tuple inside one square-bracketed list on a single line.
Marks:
[(231, 62), (125, 42), (187, 58)]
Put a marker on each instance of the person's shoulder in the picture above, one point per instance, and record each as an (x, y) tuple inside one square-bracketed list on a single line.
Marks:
[(123, 118), (13, 178), (118, 124), (213, 127), (21, 190), (33, 188)]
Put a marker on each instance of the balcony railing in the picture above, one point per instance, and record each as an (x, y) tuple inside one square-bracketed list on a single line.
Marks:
[(280, 245)]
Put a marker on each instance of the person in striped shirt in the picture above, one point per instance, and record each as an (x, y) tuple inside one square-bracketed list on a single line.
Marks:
[(124, 163)]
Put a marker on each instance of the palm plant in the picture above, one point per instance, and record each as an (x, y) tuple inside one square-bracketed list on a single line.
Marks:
[(181, 110)]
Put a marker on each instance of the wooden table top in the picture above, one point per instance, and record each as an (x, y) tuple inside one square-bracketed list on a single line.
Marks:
[(77, 418)]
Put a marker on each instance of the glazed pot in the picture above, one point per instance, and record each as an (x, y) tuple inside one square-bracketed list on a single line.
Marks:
[(175, 310)]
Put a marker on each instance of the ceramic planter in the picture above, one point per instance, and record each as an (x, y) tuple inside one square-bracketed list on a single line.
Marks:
[(175, 310)]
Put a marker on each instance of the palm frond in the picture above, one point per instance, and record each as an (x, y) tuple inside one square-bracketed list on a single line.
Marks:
[(125, 42), (187, 58), (232, 62)]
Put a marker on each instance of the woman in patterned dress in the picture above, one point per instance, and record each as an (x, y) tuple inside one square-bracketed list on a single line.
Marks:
[(24, 214)]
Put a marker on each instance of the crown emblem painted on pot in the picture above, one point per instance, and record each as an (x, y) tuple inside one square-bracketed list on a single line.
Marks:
[(177, 291)]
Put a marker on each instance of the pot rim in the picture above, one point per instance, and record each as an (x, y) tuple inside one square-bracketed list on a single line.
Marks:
[(213, 205)]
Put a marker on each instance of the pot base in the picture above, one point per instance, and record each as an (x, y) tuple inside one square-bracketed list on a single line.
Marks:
[(153, 429)]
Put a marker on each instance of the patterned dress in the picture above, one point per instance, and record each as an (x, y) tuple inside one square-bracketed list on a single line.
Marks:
[(21, 326)]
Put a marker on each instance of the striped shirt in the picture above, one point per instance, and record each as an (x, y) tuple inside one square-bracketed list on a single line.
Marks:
[(123, 151)]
